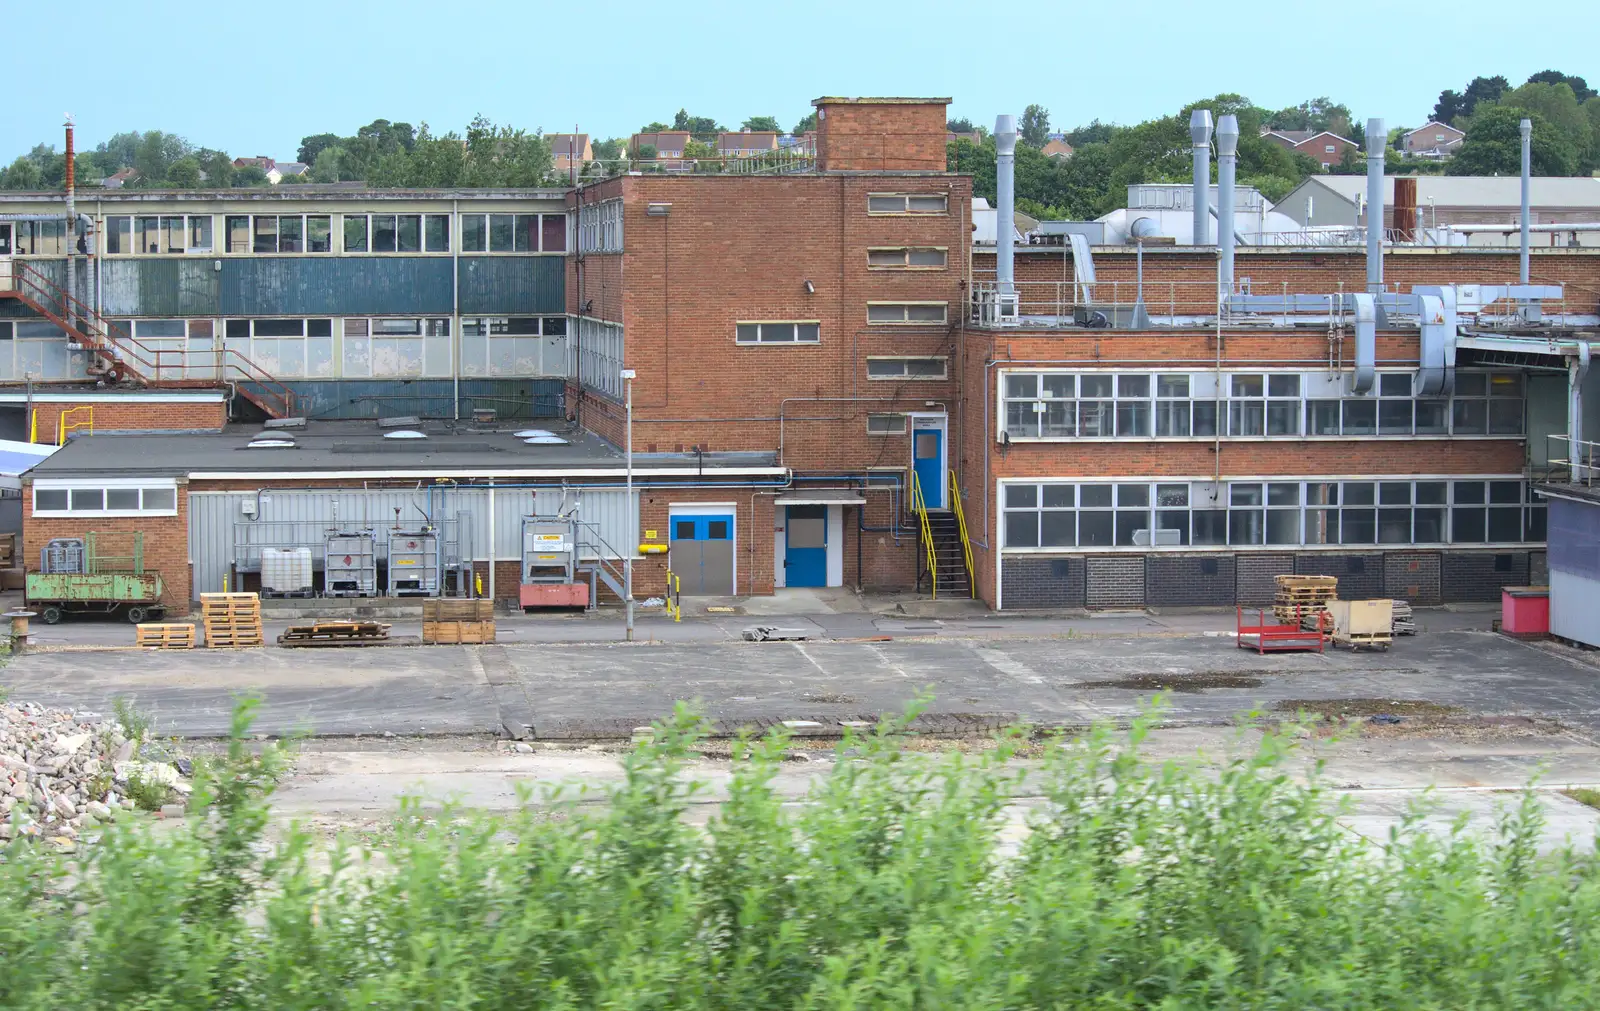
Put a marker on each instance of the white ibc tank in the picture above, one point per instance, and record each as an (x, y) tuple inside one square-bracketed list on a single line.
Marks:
[(286, 570)]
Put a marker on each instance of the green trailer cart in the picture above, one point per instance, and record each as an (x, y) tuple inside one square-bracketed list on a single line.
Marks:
[(101, 574)]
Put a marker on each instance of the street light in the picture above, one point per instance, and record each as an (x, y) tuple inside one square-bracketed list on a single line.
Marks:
[(629, 511)]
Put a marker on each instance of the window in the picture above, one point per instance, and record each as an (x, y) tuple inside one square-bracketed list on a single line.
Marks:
[(907, 203), (1053, 405), (1487, 403), (514, 233), (396, 233), (1040, 406), (150, 498), (1178, 415), (886, 424), (170, 234), (436, 229), (284, 347), (905, 368), (355, 234), (1328, 149), (273, 233), (385, 347), (906, 258), (1261, 404), (906, 312), (778, 333), (599, 227), (41, 238)]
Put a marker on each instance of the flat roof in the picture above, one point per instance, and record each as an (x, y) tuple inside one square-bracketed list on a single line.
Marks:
[(1573, 492), (360, 450), (279, 193)]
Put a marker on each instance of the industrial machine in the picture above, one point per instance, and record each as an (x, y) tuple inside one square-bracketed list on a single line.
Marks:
[(414, 563), (103, 573), (549, 563), (349, 563)]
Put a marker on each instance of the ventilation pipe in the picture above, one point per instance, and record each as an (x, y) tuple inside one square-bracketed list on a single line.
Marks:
[(1005, 146), (1577, 372), (1376, 142), (1526, 128), (71, 236), (1200, 134), (1227, 159)]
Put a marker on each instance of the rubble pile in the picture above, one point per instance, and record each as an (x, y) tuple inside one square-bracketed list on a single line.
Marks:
[(62, 771)]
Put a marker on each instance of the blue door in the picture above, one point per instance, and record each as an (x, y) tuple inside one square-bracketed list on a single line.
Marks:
[(805, 533), (700, 552), (927, 457)]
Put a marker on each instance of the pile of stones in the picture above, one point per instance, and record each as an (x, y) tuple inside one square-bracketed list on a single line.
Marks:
[(62, 772)]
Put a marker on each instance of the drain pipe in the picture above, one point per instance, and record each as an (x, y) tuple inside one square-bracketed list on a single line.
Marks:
[(1005, 146), (1526, 128), (1200, 134), (1375, 146), (1577, 372), (1227, 164)]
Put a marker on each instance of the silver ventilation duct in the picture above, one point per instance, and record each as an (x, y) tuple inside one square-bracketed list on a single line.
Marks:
[(1526, 128), (1377, 140), (1005, 146), (1200, 134), (1227, 159)]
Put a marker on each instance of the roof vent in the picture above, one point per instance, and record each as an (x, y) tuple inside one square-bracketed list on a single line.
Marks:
[(404, 433), (270, 442), (546, 440), (403, 422), (534, 433)]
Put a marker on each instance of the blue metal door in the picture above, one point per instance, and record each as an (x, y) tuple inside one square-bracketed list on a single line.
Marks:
[(927, 456), (805, 533), (701, 554)]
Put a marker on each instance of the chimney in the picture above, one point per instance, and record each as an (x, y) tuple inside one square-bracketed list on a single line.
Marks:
[(71, 230), (1200, 134), (1227, 159), (1005, 145), (1377, 140), (1526, 128), (1406, 220)]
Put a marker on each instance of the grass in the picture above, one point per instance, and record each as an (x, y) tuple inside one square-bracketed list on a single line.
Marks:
[(898, 885), (1584, 795)]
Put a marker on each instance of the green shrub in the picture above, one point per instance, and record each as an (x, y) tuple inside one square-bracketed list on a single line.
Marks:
[(900, 883)]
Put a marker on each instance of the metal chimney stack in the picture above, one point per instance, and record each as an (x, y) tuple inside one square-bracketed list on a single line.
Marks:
[(1377, 140), (71, 234), (1005, 146), (1526, 128), (1200, 134), (1227, 161)]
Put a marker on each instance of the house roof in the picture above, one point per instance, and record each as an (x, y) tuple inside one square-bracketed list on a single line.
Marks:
[(293, 168), (1292, 136), (568, 144), (1435, 125), (664, 140), (748, 140), (1474, 191)]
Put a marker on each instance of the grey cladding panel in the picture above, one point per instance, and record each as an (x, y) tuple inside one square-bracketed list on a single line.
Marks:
[(294, 285), (495, 285)]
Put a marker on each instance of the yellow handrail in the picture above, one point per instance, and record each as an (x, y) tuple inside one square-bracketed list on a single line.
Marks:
[(63, 426), (961, 523), (920, 505)]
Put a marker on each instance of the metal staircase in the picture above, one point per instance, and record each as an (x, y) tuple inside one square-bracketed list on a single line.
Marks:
[(117, 357), (945, 561)]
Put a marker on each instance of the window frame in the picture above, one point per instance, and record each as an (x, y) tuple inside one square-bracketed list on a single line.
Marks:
[(798, 326), (904, 423), (187, 227), (487, 220), (905, 210), (943, 320), (944, 363), (103, 485), (906, 253)]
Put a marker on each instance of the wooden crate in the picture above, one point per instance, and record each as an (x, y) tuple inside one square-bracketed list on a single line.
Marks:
[(1362, 622), (453, 632), (154, 635), (451, 609)]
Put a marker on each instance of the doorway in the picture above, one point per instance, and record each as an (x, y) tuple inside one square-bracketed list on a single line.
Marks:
[(5, 256), (700, 551), (806, 546), (928, 456)]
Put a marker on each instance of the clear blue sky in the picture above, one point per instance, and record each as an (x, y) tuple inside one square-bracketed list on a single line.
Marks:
[(253, 78)]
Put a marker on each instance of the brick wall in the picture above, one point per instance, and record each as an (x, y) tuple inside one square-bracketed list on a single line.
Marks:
[(1189, 580), (166, 542), (877, 135), (132, 415), (1360, 574), (1412, 576), (1114, 580), (1256, 577), (1033, 581), (1480, 575)]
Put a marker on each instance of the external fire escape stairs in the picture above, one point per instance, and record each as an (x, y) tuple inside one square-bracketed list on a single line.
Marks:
[(116, 356), (945, 556)]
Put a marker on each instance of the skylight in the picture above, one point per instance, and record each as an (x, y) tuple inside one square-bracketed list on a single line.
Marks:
[(404, 433)]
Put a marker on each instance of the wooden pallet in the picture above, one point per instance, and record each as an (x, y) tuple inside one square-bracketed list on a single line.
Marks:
[(334, 633), (452, 632), (164, 636), (449, 609), (1290, 581), (1359, 640)]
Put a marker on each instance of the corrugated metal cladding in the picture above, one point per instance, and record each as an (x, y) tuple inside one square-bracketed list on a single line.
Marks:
[(159, 287), (296, 285), (1574, 539), (219, 530), (356, 399), (495, 285)]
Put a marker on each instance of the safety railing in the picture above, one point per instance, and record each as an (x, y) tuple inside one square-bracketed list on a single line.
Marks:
[(777, 162), (674, 596), (966, 542), (150, 366), (589, 540), (64, 425), (1573, 465), (919, 505)]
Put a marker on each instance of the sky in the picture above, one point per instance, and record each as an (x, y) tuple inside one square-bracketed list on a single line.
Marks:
[(253, 78)]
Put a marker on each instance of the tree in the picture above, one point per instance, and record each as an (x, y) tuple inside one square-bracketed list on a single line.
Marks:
[(329, 165), (699, 149), (155, 153), (1493, 146), (646, 152), (698, 125), (314, 145), (962, 125), (1579, 86), (807, 123), (22, 174), (1095, 133), (217, 166), (1316, 115), (1035, 125), (184, 174), (763, 123), (609, 150), (249, 175), (1452, 106), (387, 137)]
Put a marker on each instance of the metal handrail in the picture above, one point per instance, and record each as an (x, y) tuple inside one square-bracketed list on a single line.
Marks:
[(920, 505), (598, 543), (1581, 467), (966, 543), (63, 426)]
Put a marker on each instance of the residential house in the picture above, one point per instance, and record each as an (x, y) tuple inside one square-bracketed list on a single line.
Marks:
[(1057, 147), (294, 170), (569, 151), (668, 144), (120, 178), (747, 143), (1324, 147), (950, 137), (805, 143), (1431, 140)]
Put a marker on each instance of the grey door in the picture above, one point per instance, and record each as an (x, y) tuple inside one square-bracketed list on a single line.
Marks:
[(701, 554)]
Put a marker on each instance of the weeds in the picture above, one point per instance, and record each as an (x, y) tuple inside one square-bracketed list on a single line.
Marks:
[(1584, 795), (901, 883), (135, 723), (147, 794)]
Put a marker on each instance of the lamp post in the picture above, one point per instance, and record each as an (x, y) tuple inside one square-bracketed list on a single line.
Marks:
[(629, 511)]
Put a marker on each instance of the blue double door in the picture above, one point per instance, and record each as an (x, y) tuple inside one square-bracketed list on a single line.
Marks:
[(805, 532), (701, 554)]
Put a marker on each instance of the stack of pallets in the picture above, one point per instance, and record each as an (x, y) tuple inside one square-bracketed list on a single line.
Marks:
[(1404, 623), (153, 635), (233, 620), (457, 621), (1301, 599), (335, 633)]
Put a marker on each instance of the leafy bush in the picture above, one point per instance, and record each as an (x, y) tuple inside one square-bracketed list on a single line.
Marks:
[(901, 883)]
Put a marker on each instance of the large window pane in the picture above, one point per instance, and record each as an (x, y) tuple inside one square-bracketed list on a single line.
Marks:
[(1058, 418), (1433, 417), (408, 232), (173, 234), (1021, 419), (1322, 417), (146, 235), (119, 235), (1205, 418), (1172, 417), (1394, 526), (1322, 526), (1394, 417), (1469, 417), (1505, 525), (1505, 417), (1058, 496), (1133, 386), (1172, 526), (1058, 386), (1129, 523), (1094, 530), (1360, 417), (290, 239), (474, 233), (1022, 496), (1095, 418), (1094, 496), (319, 233), (265, 234), (1246, 417), (554, 237), (1095, 386), (500, 229), (1133, 417), (527, 233), (1359, 526), (438, 233), (1283, 386), (1022, 529), (1246, 526), (1283, 526), (1467, 526), (383, 233), (355, 234), (1026, 385), (1057, 529), (1283, 417), (1429, 525), (1210, 526)]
